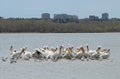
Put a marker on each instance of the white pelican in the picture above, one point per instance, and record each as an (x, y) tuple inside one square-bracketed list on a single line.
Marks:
[(46, 52), (96, 54), (80, 53), (104, 54), (61, 51), (12, 51), (90, 52), (54, 54), (26, 54), (37, 54), (69, 54), (18, 54)]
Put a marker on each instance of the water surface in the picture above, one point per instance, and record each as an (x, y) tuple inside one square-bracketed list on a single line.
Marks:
[(107, 69)]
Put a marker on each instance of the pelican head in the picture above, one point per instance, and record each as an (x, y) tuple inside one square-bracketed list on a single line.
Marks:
[(11, 48), (98, 49)]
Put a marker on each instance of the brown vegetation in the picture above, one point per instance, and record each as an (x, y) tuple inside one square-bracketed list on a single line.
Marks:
[(48, 26)]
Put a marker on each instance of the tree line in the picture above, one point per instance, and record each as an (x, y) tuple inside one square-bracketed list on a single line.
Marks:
[(19, 25)]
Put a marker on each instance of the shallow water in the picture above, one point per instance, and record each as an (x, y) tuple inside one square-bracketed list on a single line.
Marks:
[(106, 69)]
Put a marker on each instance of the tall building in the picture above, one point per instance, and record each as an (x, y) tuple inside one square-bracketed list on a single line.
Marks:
[(105, 16), (45, 16)]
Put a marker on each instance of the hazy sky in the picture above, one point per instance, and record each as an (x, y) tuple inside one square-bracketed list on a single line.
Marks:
[(82, 8)]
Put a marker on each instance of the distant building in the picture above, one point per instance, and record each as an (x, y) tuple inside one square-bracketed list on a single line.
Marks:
[(45, 16), (72, 18), (105, 16), (61, 18), (93, 17), (64, 18)]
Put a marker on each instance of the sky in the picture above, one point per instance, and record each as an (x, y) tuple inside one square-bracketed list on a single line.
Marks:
[(82, 8)]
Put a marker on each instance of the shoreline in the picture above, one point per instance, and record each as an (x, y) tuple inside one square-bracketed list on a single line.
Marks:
[(51, 32)]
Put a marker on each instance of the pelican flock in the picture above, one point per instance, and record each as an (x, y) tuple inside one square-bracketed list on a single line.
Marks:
[(54, 54)]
